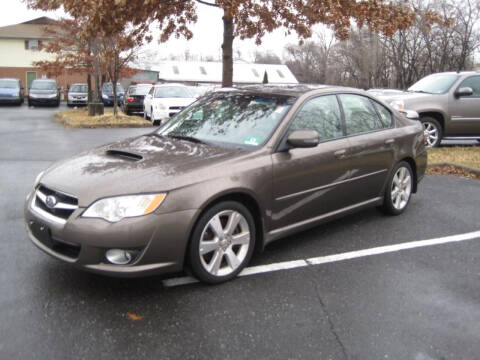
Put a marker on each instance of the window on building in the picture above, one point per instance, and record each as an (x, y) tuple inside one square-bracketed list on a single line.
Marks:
[(175, 69), (203, 71), (280, 74), (255, 72), (33, 44)]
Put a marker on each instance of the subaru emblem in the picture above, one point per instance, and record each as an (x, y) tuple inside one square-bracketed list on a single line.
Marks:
[(51, 201)]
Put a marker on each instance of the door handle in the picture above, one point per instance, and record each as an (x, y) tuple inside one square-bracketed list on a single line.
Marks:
[(389, 141), (340, 153)]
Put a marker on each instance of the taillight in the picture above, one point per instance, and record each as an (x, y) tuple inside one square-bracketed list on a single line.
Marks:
[(130, 99)]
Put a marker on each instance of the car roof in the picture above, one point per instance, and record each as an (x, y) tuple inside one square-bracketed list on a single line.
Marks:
[(78, 84), (171, 84), (6, 78), (456, 73), (294, 90), (46, 80)]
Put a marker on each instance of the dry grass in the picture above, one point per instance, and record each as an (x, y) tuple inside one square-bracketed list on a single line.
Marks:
[(80, 119), (466, 156)]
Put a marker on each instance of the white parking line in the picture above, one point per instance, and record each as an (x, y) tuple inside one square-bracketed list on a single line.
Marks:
[(334, 258)]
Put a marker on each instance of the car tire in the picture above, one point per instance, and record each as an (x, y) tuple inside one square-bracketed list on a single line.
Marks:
[(222, 242), (155, 122), (433, 131), (399, 189), (145, 116)]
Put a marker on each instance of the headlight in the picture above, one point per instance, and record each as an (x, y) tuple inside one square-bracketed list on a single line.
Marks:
[(398, 104), (104, 96), (116, 208), (38, 178), (52, 96), (33, 95)]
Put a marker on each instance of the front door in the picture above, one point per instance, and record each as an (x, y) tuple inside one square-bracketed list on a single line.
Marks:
[(31, 75), (308, 182), (465, 110)]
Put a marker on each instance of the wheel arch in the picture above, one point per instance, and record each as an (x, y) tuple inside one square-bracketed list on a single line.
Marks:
[(436, 115)]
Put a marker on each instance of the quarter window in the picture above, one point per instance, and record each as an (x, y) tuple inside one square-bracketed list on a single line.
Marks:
[(321, 114), (474, 83), (360, 115), (385, 114)]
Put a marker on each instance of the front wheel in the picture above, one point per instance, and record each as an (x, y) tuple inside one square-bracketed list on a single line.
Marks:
[(399, 189), (432, 130), (222, 242)]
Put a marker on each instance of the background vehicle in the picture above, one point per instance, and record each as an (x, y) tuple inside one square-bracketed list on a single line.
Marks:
[(384, 92), (448, 105), (234, 171), (11, 91), (166, 100), (133, 102), (107, 94), (77, 95), (44, 92)]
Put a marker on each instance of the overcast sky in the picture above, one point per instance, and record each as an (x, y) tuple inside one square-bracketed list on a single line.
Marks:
[(207, 40)]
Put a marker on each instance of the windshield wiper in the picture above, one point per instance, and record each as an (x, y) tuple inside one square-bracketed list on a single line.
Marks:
[(187, 138), (420, 91)]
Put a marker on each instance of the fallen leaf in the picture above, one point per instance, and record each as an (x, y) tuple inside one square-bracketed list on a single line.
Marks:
[(134, 317)]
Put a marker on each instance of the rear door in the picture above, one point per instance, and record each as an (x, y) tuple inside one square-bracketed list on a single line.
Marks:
[(309, 181), (372, 137), (147, 102), (465, 110)]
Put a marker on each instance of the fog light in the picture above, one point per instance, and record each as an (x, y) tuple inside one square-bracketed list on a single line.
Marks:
[(120, 257)]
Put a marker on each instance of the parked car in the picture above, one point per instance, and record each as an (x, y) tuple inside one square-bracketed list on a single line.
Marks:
[(448, 105), (77, 95), (232, 172), (134, 98), (44, 92), (166, 100), (11, 91), (107, 94)]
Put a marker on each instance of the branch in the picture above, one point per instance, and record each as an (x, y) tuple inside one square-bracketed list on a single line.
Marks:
[(207, 3)]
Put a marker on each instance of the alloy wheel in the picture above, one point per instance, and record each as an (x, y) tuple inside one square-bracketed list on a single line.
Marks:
[(224, 243), (401, 188), (431, 133)]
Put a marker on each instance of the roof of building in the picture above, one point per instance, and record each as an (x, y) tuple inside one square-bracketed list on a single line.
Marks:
[(211, 72), (33, 29)]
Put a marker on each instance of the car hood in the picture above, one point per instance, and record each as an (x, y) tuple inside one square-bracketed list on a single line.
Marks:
[(42, 92), (138, 165), (408, 97), (9, 91), (175, 101), (77, 93)]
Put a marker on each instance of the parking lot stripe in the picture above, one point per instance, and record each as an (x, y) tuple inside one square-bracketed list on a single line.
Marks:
[(336, 257)]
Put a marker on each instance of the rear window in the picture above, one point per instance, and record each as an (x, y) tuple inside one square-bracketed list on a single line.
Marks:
[(9, 84), (139, 90), (44, 85)]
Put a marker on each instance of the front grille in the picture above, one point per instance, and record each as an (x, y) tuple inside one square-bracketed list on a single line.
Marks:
[(179, 108), (62, 206)]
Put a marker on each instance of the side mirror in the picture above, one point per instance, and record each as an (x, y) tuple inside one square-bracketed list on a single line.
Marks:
[(303, 139), (410, 114), (464, 91)]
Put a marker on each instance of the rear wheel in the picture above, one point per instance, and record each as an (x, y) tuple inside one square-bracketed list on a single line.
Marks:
[(433, 131), (399, 189), (155, 122), (222, 242)]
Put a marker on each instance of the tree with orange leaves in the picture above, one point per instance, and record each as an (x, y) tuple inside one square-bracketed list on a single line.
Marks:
[(241, 18)]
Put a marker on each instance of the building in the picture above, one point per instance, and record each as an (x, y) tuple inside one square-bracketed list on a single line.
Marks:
[(198, 73), (21, 45)]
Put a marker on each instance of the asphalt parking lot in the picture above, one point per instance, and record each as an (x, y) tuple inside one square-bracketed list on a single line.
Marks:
[(420, 303)]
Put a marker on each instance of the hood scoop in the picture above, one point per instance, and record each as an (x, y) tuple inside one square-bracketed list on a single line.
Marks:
[(124, 155)]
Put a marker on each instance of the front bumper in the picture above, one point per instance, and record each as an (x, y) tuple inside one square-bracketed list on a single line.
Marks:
[(161, 240), (10, 100), (43, 101)]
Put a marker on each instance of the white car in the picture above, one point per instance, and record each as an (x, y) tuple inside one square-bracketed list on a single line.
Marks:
[(165, 100)]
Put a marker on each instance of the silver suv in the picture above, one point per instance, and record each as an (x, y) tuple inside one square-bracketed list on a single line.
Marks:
[(448, 104)]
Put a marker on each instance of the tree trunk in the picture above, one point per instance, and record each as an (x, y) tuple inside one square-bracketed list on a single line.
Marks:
[(89, 85), (227, 50)]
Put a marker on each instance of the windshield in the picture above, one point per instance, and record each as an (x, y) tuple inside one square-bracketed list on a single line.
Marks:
[(44, 85), (236, 119), (434, 84), (9, 84), (172, 92), (79, 88), (139, 90), (108, 88)]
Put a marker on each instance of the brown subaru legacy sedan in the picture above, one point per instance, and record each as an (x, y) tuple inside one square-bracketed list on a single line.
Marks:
[(229, 174)]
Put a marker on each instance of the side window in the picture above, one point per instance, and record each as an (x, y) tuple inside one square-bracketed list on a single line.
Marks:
[(321, 114), (360, 115), (385, 114), (472, 82)]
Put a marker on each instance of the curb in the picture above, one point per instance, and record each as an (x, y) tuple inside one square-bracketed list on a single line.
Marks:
[(66, 123), (462, 167)]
